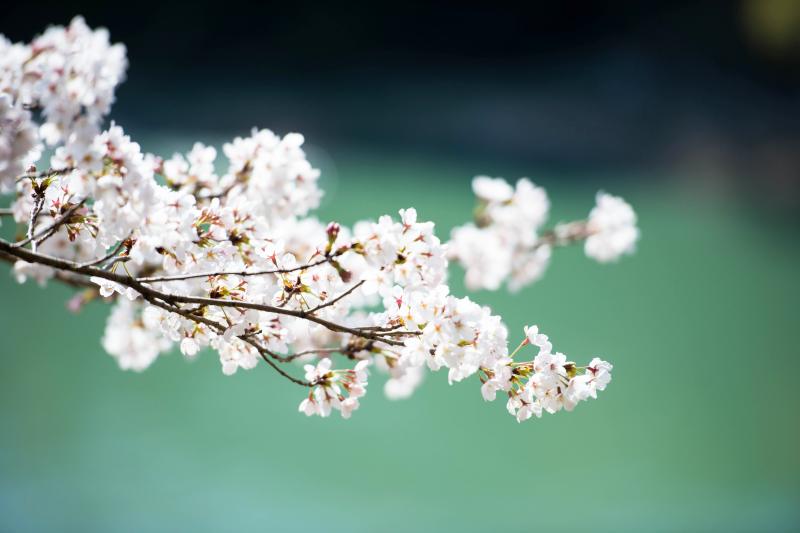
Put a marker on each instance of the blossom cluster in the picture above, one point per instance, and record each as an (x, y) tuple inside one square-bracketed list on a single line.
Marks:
[(328, 386), (18, 142), (546, 383), (69, 73), (611, 229), (505, 242), (223, 253)]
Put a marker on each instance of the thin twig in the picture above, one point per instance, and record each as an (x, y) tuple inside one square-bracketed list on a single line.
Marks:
[(564, 234), (264, 353), (334, 300), (277, 310), (52, 227), (49, 173), (106, 257), (316, 351), (38, 203), (220, 194), (242, 273)]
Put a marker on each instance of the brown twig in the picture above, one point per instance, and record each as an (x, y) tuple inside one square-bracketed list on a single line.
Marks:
[(334, 300), (50, 228), (242, 273), (264, 353), (564, 234), (315, 351), (49, 173), (106, 257)]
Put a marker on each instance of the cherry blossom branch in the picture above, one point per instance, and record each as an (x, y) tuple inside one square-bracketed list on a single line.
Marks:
[(240, 273), (36, 209), (565, 234), (153, 297), (49, 173), (306, 315), (220, 194), (63, 277), (37, 238), (314, 351), (169, 298), (338, 298), (262, 207), (117, 249), (264, 353)]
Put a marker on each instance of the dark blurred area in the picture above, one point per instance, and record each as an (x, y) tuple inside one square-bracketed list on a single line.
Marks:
[(708, 92)]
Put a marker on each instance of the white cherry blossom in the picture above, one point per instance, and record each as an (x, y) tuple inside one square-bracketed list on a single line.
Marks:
[(128, 339), (236, 262), (18, 142), (612, 228), (505, 243)]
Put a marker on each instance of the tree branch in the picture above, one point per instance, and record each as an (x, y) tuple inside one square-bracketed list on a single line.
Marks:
[(264, 353), (52, 227), (242, 273), (169, 302), (564, 234), (334, 300), (38, 203), (106, 257)]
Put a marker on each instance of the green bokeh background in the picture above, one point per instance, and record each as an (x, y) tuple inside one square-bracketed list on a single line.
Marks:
[(699, 430)]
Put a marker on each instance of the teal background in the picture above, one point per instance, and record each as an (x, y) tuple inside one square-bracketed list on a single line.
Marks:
[(699, 430)]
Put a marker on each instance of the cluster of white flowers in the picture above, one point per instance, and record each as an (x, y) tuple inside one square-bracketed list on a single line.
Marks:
[(505, 243), (612, 229), (454, 333), (18, 142), (132, 338), (547, 383), (69, 73), (328, 386), (235, 263)]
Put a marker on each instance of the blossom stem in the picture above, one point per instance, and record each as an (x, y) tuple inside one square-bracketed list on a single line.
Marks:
[(338, 298), (106, 257), (518, 348)]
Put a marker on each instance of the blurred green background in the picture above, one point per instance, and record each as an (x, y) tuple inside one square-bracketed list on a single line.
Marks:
[(689, 110), (698, 431)]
